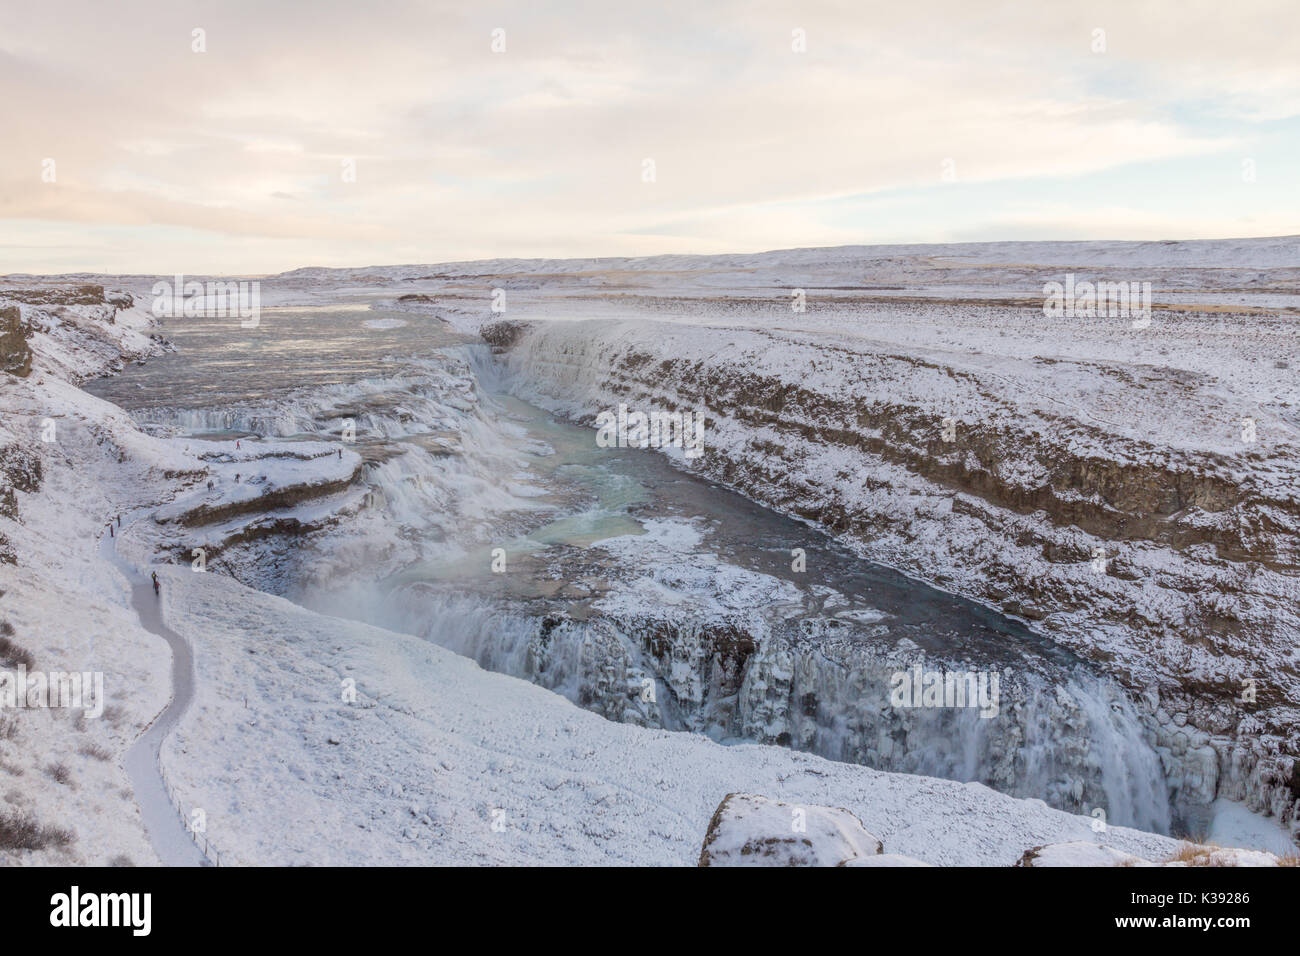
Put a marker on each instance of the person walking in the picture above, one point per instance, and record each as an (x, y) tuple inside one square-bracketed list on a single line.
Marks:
[(155, 584)]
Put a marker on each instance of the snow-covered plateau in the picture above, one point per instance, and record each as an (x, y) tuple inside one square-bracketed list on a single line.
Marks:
[(1099, 512)]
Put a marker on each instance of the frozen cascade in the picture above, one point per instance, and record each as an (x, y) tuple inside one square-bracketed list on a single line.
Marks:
[(1071, 739)]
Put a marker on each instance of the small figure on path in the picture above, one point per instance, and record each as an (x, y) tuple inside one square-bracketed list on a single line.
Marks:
[(155, 584)]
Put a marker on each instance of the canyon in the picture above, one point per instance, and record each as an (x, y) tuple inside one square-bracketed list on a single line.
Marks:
[(972, 485)]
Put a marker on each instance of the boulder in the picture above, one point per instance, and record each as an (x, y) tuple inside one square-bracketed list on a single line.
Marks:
[(752, 830)]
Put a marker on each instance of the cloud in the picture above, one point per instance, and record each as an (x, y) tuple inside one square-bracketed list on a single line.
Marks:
[(540, 150)]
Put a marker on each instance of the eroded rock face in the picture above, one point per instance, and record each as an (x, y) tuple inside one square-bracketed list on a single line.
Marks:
[(62, 295), (752, 830), (503, 334), (15, 354), (20, 470)]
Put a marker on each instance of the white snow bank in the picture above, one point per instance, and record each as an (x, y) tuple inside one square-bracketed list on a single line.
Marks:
[(1082, 853), (883, 859), (1079, 853)]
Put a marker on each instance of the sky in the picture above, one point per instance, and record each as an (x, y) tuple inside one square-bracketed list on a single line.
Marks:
[(242, 137)]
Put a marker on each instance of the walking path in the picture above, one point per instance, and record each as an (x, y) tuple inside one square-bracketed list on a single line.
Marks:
[(171, 840)]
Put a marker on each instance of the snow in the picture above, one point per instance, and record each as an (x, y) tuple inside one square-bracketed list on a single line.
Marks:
[(435, 750), (1084, 853), (1080, 853), (685, 579), (1233, 825), (883, 859)]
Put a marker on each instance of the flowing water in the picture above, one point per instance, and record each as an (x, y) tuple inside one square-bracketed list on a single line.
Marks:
[(632, 587)]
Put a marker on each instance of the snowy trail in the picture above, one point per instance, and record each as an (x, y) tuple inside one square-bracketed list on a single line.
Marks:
[(170, 839)]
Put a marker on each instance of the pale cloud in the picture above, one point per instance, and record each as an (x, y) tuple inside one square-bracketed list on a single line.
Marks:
[(460, 152)]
